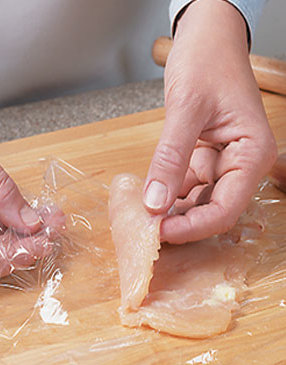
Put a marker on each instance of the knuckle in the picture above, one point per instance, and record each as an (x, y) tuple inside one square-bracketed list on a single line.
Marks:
[(7, 187), (269, 153), (169, 157), (261, 154)]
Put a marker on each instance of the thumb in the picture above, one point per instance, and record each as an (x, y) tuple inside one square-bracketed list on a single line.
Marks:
[(14, 210), (172, 155)]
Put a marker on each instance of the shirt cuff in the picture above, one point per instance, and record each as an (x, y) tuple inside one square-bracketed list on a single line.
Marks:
[(250, 10)]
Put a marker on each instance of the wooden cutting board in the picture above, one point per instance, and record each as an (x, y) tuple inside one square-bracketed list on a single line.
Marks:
[(94, 334)]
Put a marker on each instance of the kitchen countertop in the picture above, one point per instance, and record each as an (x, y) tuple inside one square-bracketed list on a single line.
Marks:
[(75, 319), (53, 114)]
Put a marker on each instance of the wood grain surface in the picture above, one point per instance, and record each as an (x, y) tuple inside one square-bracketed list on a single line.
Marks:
[(94, 334)]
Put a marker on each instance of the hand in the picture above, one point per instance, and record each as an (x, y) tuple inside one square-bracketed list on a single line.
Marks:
[(20, 245), (216, 133), (14, 210), (21, 251)]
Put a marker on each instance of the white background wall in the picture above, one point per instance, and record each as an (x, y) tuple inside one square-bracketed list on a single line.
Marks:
[(55, 47), (64, 46), (270, 36)]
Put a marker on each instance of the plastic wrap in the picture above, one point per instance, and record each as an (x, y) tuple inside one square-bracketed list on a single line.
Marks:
[(44, 267), (62, 308)]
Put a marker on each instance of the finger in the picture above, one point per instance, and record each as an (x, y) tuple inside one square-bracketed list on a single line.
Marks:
[(52, 217), (248, 155), (3, 228), (185, 116), (201, 169), (205, 194), (20, 253), (189, 182), (14, 210), (229, 198), (167, 171), (203, 163), (199, 195)]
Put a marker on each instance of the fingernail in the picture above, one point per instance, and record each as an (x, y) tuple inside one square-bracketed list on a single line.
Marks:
[(29, 217), (156, 195)]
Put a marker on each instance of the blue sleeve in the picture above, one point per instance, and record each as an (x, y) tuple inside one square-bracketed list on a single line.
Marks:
[(250, 10)]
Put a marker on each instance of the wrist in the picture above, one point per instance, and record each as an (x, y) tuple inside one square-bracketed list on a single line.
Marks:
[(214, 20)]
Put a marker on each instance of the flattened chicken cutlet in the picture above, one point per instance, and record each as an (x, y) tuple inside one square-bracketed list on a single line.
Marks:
[(186, 290)]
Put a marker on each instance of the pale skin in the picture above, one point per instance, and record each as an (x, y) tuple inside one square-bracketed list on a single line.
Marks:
[(216, 132), (27, 240)]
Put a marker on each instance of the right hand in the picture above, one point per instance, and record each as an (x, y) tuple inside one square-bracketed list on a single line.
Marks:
[(216, 133)]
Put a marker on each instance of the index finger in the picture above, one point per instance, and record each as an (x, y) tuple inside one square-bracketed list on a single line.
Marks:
[(229, 199)]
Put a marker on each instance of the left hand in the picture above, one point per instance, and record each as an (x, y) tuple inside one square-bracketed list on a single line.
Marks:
[(18, 251)]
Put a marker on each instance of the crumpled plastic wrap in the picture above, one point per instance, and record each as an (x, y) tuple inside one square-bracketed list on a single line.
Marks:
[(75, 271), (73, 210)]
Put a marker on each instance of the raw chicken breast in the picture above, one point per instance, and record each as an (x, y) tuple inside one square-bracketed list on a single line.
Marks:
[(136, 236), (190, 290)]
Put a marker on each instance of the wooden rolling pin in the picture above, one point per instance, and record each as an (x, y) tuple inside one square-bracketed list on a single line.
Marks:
[(270, 73)]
